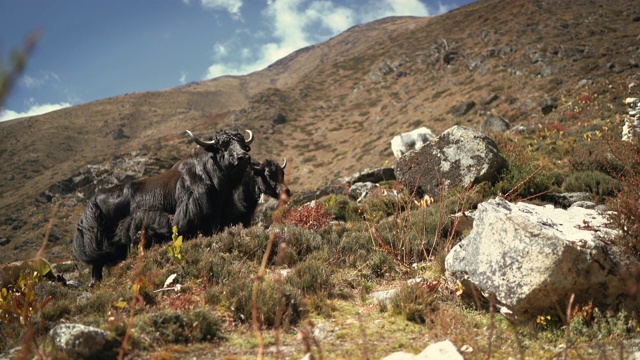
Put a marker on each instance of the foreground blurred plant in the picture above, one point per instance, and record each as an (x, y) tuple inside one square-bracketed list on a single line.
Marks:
[(176, 246), (18, 63), (20, 302)]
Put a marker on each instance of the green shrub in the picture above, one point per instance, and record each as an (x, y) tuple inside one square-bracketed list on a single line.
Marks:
[(525, 181), (381, 264), (296, 243), (355, 246), (277, 302), (168, 326), (376, 208), (102, 300), (599, 325), (594, 182), (414, 302), (247, 243), (341, 208), (203, 326), (61, 303), (313, 275)]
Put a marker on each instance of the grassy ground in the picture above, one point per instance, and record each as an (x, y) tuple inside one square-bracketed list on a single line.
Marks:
[(313, 291)]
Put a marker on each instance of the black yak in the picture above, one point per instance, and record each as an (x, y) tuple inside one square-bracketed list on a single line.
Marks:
[(261, 178), (191, 195)]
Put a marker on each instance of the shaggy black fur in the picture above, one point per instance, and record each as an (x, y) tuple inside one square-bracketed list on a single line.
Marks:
[(192, 195), (261, 178)]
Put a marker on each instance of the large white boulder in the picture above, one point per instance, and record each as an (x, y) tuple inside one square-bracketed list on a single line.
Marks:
[(532, 258)]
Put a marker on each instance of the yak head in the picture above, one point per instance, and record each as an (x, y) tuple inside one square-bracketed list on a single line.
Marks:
[(271, 178), (228, 150)]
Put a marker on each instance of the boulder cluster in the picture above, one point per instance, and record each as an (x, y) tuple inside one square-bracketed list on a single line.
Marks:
[(526, 259)]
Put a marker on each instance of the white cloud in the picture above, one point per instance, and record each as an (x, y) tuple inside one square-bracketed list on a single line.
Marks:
[(219, 51), (183, 77), (43, 78), (231, 6), (384, 8), (35, 109), (298, 23)]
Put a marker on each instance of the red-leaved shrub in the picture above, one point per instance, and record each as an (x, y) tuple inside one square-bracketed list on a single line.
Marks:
[(310, 216)]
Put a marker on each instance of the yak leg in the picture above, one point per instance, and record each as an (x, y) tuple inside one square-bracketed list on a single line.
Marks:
[(96, 273)]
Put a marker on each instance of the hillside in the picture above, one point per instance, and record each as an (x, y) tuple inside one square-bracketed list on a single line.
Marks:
[(331, 109)]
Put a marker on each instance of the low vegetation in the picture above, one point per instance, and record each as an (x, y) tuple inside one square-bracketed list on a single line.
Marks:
[(326, 260), (306, 284)]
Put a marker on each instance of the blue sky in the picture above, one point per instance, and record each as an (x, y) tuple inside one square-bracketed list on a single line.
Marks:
[(95, 49)]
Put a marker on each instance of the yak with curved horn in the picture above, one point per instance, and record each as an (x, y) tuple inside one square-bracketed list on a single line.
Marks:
[(192, 195)]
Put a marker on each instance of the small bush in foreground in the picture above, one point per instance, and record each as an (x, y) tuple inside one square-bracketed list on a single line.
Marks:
[(414, 302), (277, 302), (173, 327)]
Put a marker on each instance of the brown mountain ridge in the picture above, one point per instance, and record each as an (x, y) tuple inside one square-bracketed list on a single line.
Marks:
[(331, 109)]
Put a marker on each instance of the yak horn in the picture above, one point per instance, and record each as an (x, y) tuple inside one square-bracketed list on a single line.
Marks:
[(284, 164), (250, 139), (200, 142)]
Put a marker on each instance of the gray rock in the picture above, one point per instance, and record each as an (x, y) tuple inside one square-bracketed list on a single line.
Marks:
[(518, 129), (265, 209), (444, 350), (321, 331), (359, 191), (565, 200), (548, 105), (461, 156), (463, 109), (494, 124), (583, 204), (82, 342), (383, 297), (4, 241), (371, 175), (531, 258), (489, 100)]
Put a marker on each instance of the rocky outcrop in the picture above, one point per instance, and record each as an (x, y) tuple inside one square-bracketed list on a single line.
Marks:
[(444, 350), (529, 259), (460, 156), (118, 170), (78, 341)]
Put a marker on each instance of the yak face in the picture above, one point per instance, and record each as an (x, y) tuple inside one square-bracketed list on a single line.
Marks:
[(271, 178), (233, 153), (229, 151)]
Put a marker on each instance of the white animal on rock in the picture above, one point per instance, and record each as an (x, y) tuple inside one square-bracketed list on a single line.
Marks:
[(412, 140)]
